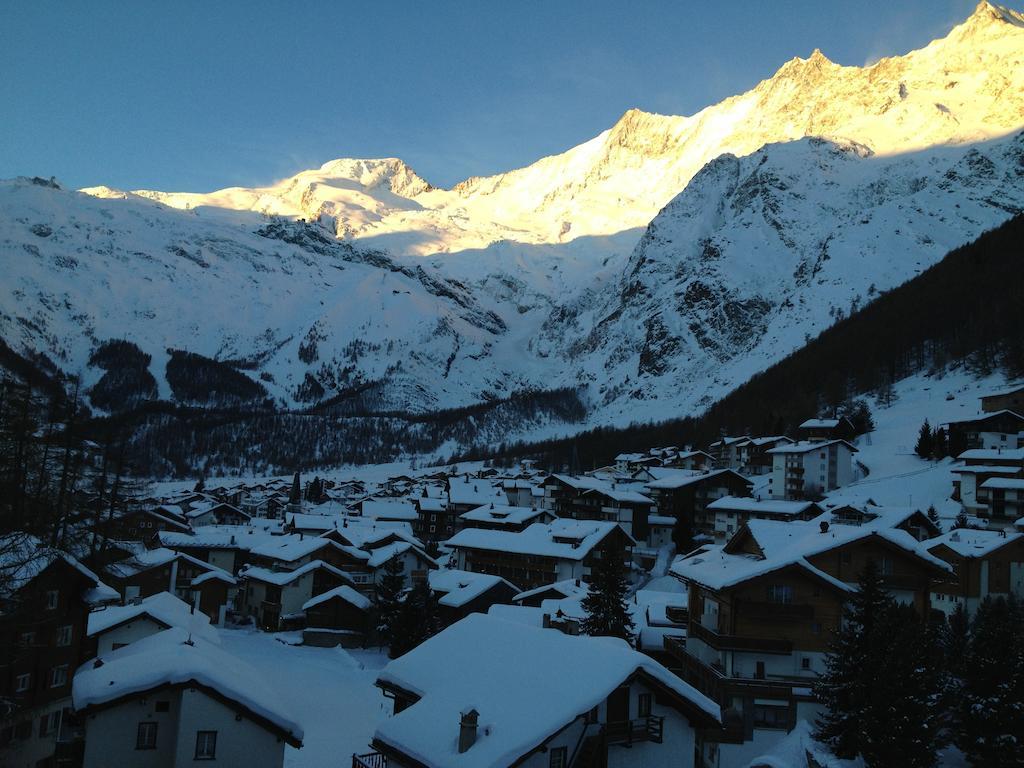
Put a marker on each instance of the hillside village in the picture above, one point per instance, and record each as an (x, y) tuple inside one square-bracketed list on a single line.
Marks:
[(150, 647)]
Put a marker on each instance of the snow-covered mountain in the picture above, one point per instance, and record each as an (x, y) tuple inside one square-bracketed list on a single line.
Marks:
[(660, 263)]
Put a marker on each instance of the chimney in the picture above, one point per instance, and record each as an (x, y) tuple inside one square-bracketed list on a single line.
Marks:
[(467, 730), (824, 526)]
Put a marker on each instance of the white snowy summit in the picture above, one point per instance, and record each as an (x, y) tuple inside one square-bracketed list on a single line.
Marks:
[(659, 264)]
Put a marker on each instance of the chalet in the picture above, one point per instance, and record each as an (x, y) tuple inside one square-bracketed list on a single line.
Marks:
[(502, 517), (466, 493), (753, 455), (821, 430), (216, 513), (520, 491), (276, 598), (1009, 399), (148, 572), (170, 700), (291, 552), (985, 564), (679, 493), (541, 554), (434, 520), (763, 606), (809, 469), (227, 547), (143, 523), (461, 593), (1001, 429), (603, 702), (630, 462), (730, 512), (115, 626), (693, 460), (339, 616), (981, 465), (726, 451), (45, 600), (561, 491), (1003, 498), (909, 519), (414, 561)]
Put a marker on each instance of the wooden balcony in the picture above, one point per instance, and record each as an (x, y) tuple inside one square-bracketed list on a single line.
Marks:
[(738, 642), (630, 732)]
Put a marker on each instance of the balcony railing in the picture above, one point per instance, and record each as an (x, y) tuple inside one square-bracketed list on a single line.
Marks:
[(738, 642), (370, 760), (629, 732)]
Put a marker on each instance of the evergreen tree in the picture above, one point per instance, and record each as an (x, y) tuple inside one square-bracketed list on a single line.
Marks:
[(417, 620), (939, 444), (389, 601), (850, 664), (925, 441), (682, 534), (200, 485), (991, 711), (933, 515), (901, 723), (295, 497), (606, 608), (961, 521)]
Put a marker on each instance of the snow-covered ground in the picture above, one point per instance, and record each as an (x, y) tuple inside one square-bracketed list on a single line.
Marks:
[(329, 690), (897, 476)]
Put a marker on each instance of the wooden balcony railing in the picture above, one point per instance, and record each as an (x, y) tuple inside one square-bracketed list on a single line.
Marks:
[(738, 642), (370, 760), (629, 732)]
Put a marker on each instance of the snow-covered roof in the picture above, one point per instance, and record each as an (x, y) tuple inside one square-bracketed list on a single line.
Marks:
[(344, 592), (563, 538), (1005, 483), (431, 504), (786, 544), (172, 658), (288, 549), (381, 555), (526, 684), (766, 506), (566, 588), (621, 493), (985, 469), (502, 514), (241, 537), (389, 509), (461, 587), (820, 424), (23, 557), (990, 454), (146, 559), (806, 446), (970, 542), (163, 607), (280, 578), (464, 490), (680, 478)]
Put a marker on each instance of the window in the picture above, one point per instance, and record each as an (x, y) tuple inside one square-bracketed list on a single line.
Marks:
[(805, 663), (163, 706), (145, 736), (885, 566), (64, 635), (771, 717), (433, 528), (49, 723), (206, 745), (52, 597), (780, 593), (644, 705), (59, 676), (23, 682), (816, 627), (27, 638), (559, 757)]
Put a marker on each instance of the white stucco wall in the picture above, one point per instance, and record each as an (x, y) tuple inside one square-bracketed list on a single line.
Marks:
[(111, 735), (126, 634)]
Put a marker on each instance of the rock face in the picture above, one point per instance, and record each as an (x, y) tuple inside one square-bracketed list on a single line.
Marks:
[(660, 264)]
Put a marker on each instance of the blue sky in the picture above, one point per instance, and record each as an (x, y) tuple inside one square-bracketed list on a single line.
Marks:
[(200, 95)]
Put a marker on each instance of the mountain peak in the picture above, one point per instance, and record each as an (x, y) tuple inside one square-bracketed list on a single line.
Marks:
[(369, 173), (990, 13)]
